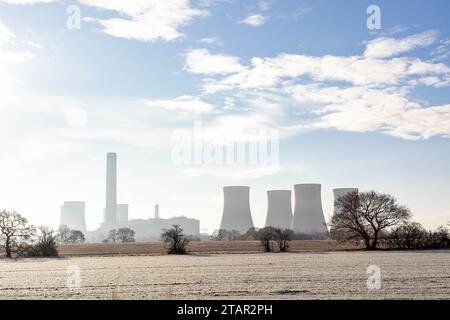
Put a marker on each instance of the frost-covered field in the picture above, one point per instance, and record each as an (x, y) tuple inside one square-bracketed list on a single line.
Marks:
[(333, 275)]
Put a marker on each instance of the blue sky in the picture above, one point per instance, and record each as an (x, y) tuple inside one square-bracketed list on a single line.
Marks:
[(352, 107)]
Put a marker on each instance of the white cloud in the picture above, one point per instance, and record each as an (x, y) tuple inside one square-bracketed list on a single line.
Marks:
[(211, 40), (183, 104), (255, 20), (25, 2), (367, 92), (387, 47), (202, 61), (148, 20)]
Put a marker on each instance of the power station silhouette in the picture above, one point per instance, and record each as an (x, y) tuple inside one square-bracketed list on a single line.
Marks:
[(115, 215), (307, 218)]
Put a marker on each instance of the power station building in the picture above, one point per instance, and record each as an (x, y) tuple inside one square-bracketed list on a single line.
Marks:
[(73, 215), (308, 213), (236, 209), (279, 209), (117, 215)]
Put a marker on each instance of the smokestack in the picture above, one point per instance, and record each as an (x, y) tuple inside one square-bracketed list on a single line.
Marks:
[(156, 211), (73, 215), (279, 209), (111, 192), (236, 209), (308, 213), (340, 192)]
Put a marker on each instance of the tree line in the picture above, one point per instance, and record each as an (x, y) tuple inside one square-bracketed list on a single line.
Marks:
[(369, 219)]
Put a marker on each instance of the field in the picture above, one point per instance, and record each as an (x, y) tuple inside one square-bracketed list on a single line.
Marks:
[(152, 248), (301, 275)]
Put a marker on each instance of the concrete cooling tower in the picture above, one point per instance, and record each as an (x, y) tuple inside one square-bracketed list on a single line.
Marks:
[(339, 192), (279, 209), (236, 209), (73, 215), (308, 213)]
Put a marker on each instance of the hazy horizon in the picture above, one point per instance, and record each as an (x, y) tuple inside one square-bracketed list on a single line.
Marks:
[(351, 106)]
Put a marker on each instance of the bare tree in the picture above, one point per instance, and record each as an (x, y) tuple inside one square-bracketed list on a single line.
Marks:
[(112, 235), (176, 238), (67, 235), (266, 236), (408, 236), (64, 234), (125, 235), (364, 216), (13, 227), (76, 236), (283, 237)]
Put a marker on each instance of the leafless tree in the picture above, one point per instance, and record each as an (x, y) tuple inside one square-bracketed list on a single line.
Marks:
[(13, 227), (76, 236), (125, 235), (266, 236), (112, 235), (283, 237), (408, 236), (67, 235), (64, 234), (364, 216), (176, 238)]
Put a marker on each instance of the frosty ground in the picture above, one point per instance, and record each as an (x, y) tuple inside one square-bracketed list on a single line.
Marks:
[(308, 275)]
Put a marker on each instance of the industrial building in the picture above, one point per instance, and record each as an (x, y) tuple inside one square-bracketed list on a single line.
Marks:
[(117, 215), (308, 213), (236, 209), (73, 215), (279, 209)]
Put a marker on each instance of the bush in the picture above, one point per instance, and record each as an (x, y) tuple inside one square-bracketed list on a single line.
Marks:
[(46, 245), (176, 238), (414, 236)]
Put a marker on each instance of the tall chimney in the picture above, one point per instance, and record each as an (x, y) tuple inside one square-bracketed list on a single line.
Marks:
[(156, 211), (111, 192)]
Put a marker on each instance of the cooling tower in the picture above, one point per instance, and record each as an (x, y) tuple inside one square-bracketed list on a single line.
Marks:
[(111, 192), (122, 213), (339, 193), (73, 215), (308, 213), (236, 209), (279, 209)]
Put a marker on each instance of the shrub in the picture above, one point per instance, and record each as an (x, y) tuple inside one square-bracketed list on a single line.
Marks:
[(176, 238)]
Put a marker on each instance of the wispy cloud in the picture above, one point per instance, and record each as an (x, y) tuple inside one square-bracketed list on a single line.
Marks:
[(202, 61), (25, 2), (149, 20), (183, 104), (255, 20), (387, 47), (374, 93)]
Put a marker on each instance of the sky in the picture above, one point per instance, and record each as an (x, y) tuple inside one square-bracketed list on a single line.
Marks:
[(342, 93)]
